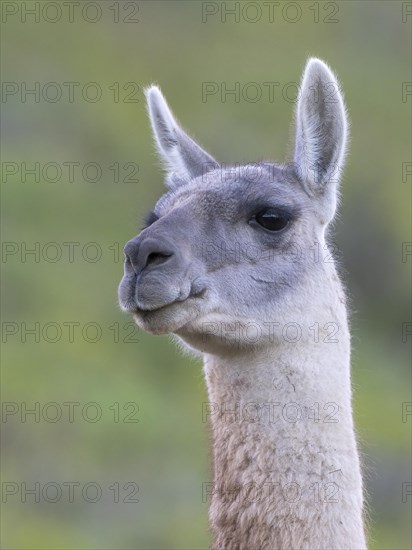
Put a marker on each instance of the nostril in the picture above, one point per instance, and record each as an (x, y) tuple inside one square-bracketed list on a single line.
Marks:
[(140, 255), (156, 258)]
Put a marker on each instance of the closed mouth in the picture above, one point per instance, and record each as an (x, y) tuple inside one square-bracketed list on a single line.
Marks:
[(144, 312)]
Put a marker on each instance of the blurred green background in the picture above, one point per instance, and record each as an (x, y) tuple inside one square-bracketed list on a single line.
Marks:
[(83, 349)]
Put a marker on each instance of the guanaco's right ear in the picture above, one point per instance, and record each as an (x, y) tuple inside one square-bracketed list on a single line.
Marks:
[(321, 134), (180, 153)]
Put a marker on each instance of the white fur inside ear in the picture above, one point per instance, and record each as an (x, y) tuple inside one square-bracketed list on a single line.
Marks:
[(321, 127), (181, 155), (165, 129)]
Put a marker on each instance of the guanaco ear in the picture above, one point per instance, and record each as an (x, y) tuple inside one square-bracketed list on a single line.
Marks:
[(321, 134), (183, 157)]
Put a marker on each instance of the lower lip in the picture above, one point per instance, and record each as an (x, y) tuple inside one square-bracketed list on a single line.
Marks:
[(145, 312)]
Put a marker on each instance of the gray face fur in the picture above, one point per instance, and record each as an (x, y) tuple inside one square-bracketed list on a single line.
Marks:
[(205, 261)]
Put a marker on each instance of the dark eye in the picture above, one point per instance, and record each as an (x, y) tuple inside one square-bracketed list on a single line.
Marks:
[(150, 218), (271, 219)]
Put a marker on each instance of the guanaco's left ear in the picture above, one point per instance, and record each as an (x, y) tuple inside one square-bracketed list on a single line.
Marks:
[(321, 134), (182, 156)]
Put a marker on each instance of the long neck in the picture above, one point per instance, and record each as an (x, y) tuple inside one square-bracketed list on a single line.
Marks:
[(286, 467)]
